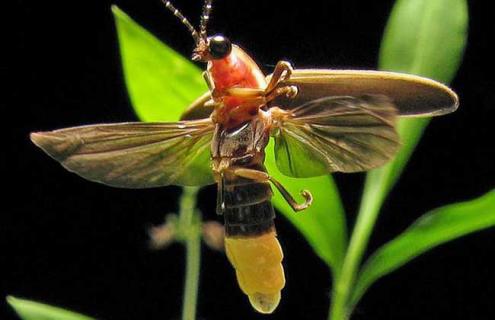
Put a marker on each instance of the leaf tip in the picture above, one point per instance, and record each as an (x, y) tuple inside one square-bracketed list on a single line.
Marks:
[(11, 300), (118, 13), (115, 9), (14, 302)]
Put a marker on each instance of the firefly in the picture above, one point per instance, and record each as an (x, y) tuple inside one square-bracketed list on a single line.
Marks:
[(321, 120)]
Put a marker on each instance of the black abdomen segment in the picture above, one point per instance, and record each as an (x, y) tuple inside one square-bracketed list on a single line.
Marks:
[(247, 208)]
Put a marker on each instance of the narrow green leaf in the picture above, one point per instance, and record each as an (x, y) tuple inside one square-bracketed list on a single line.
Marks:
[(161, 84), (434, 228), (30, 310), (425, 37), (422, 37)]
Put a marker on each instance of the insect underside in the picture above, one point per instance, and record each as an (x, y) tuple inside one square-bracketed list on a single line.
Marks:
[(244, 193)]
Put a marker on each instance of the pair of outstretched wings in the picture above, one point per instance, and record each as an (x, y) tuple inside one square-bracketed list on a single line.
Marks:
[(340, 132)]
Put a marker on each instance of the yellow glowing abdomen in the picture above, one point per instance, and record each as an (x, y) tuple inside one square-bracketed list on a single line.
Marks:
[(258, 264)]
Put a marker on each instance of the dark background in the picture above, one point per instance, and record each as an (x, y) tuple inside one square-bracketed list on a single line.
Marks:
[(72, 243)]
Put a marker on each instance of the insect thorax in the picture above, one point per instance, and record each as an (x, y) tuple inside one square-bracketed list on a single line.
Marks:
[(243, 145)]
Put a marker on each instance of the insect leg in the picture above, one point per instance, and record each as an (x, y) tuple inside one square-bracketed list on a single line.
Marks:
[(263, 176), (220, 195), (260, 96), (212, 104), (283, 71), (209, 80), (308, 197), (288, 91), (251, 174), (247, 93)]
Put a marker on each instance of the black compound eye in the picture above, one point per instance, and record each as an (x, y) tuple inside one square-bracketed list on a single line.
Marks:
[(220, 47)]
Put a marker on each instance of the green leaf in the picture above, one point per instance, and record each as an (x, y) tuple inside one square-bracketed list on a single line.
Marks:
[(30, 310), (421, 37), (424, 38), (434, 228), (161, 82)]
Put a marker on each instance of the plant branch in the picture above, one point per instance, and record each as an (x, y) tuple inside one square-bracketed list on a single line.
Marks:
[(373, 196), (189, 224)]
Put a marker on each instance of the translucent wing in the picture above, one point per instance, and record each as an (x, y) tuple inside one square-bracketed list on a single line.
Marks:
[(331, 134), (134, 155), (412, 95)]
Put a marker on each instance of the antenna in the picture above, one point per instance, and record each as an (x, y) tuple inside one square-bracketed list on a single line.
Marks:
[(205, 16), (184, 20)]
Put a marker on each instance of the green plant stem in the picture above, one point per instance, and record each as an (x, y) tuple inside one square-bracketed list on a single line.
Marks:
[(189, 222), (373, 197)]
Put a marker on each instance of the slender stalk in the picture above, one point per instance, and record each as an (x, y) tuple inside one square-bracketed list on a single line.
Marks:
[(189, 222), (373, 197)]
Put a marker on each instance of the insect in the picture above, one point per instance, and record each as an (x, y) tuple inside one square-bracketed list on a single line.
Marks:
[(322, 121)]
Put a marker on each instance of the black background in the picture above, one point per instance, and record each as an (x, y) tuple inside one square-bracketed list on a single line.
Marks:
[(72, 243)]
